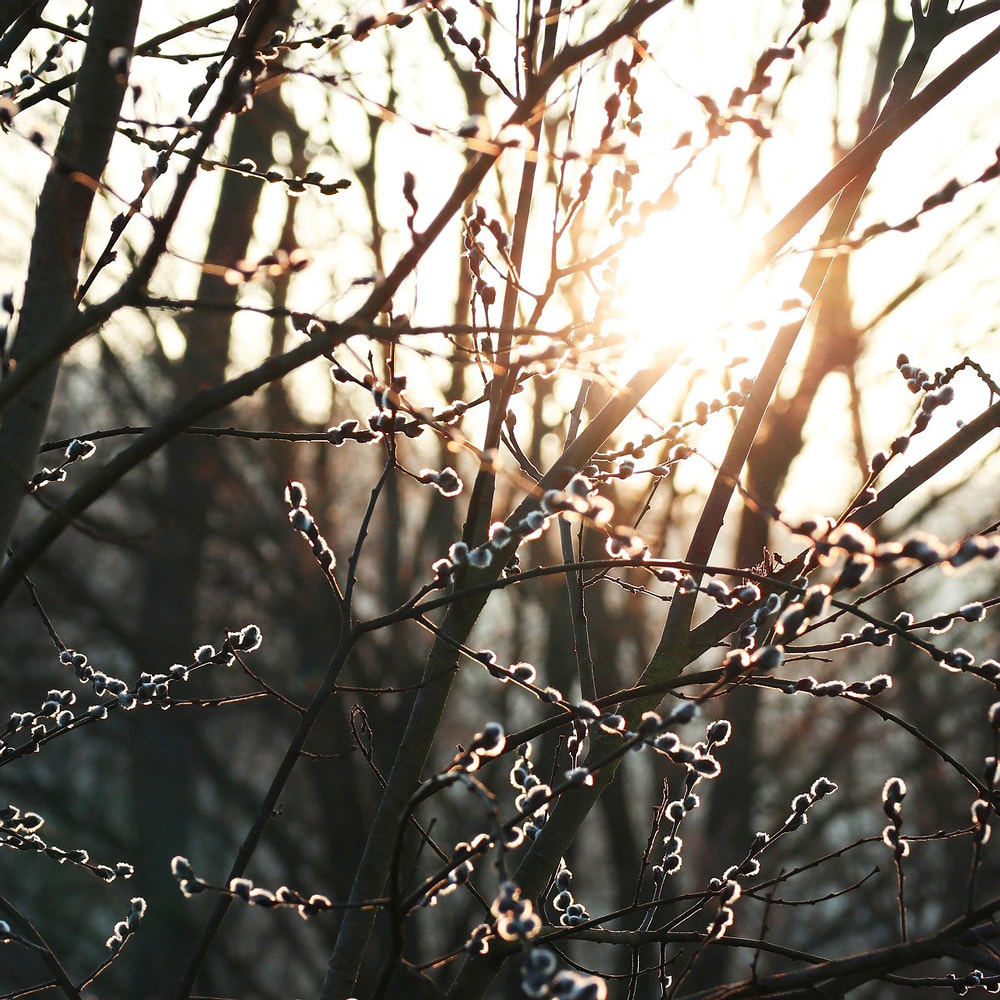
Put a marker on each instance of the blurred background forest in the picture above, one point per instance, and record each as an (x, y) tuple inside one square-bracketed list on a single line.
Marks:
[(613, 225)]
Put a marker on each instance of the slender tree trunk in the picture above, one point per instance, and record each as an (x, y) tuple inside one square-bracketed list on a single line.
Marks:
[(57, 245)]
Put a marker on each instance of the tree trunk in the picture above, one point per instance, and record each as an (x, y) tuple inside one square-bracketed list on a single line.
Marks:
[(57, 245)]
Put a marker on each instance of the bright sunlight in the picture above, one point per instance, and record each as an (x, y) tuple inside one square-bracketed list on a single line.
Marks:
[(684, 286)]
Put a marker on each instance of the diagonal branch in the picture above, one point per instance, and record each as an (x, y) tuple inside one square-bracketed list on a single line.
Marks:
[(900, 113)]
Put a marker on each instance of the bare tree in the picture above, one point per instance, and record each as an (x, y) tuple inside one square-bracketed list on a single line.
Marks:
[(462, 566)]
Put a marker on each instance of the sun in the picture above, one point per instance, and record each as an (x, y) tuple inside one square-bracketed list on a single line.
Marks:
[(683, 287)]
